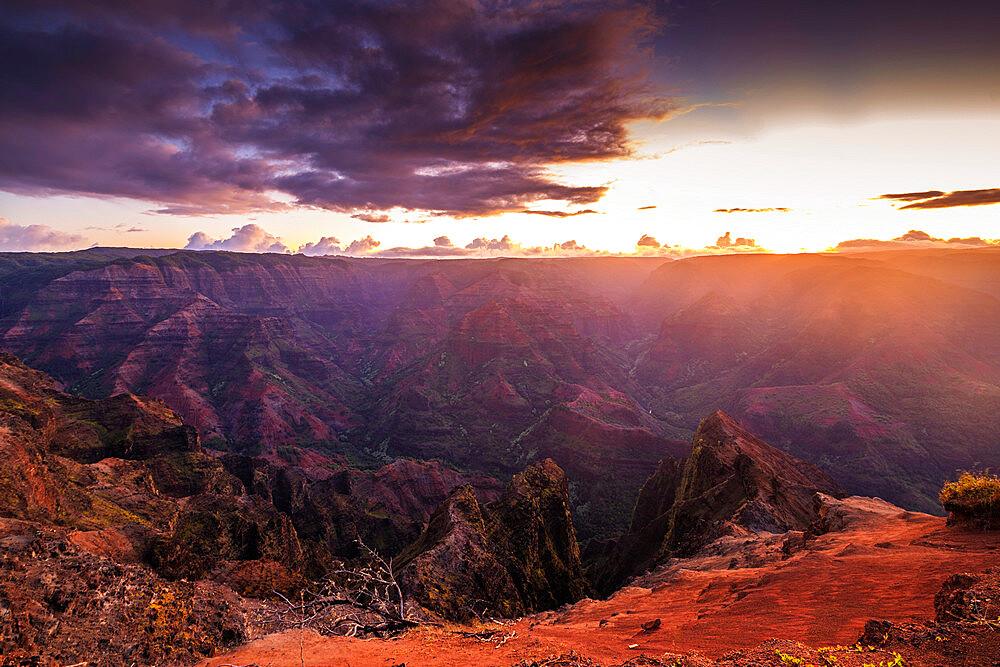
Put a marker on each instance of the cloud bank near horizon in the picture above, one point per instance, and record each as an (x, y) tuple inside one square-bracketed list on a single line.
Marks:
[(914, 239), (36, 238), (253, 238)]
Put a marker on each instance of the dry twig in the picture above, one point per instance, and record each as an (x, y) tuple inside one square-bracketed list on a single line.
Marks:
[(361, 599)]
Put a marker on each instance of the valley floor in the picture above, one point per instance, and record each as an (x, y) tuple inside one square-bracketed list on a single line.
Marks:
[(883, 563)]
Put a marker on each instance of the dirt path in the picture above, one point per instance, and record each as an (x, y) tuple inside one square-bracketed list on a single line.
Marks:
[(887, 569)]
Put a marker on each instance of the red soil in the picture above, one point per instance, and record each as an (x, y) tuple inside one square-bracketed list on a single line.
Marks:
[(886, 566)]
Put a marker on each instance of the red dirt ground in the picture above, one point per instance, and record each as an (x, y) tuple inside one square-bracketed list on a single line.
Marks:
[(883, 567)]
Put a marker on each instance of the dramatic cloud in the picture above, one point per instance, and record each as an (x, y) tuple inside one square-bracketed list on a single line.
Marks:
[(36, 237), (725, 241), (327, 245), (646, 208), (647, 241), (778, 209), (938, 199), (914, 239), (448, 106), (560, 214), (443, 242), (248, 238)]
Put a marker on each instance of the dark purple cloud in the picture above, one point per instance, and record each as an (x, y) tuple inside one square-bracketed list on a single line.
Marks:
[(449, 106), (938, 199), (443, 242)]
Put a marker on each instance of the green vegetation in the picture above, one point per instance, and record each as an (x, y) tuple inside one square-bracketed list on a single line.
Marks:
[(974, 498), (828, 656)]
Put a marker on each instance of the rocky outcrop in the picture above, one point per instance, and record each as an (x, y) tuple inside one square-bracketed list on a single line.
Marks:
[(56, 463), (732, 483), (963, 631), (969, 597), (245, 521), (387, 508), (453, 569), (531, 524), (838, 514), (212, 529), (510, 557)]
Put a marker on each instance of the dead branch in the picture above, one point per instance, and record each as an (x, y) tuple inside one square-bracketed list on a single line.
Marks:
[(361, 599)]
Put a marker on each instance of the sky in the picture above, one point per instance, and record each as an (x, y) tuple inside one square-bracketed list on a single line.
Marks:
[(460, 128)]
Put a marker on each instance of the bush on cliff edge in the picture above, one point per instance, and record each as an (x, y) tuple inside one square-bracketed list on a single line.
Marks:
[(974, 500)]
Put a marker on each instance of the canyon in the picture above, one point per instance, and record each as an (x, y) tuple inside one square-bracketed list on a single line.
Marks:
[(601, 458), (880, 368), (124, 541)]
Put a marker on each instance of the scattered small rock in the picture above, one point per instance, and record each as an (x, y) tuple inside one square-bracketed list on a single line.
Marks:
[(651, 626)]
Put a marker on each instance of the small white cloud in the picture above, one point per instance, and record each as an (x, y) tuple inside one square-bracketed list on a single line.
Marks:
[(362, 246), (726, 241), (481, 243), (248, 238), (327, 245)]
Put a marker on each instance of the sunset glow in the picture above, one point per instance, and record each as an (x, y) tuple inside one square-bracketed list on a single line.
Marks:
[(510, 333), (795, 136)]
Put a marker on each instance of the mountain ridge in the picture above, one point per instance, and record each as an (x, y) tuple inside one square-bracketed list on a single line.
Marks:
[(367, 360)]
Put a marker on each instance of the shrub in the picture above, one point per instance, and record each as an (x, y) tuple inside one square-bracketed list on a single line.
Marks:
[(974, 499)]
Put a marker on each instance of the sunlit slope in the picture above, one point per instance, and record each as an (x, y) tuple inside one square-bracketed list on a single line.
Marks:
[(887, 379)]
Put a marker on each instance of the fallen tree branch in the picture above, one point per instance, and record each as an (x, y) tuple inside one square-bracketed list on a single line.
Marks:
[(362, 599)]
